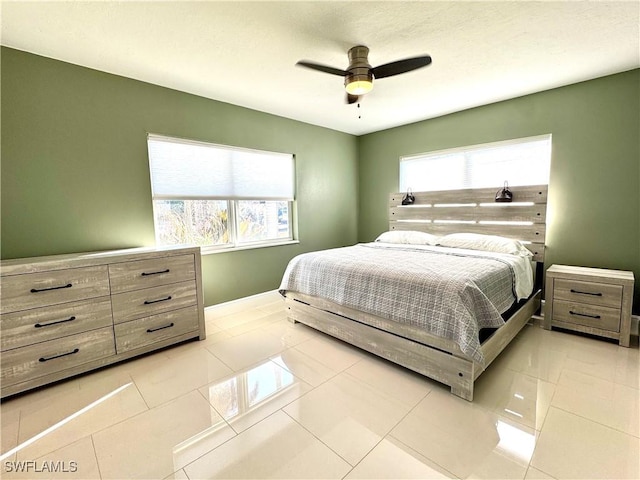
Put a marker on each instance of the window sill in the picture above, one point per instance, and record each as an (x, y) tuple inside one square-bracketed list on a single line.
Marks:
[(214, 250)]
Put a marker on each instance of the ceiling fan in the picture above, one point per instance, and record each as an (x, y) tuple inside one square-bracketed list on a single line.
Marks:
[(359, 75)]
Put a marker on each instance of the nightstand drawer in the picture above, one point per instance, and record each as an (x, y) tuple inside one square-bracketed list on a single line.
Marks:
[(47, 323), (32, 290), (593, 293), (41, 359), (129, 276), (588, 315), (150, 301), (149, 330)]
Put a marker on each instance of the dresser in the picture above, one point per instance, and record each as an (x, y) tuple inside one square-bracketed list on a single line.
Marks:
[(589, 300), (63, 315)]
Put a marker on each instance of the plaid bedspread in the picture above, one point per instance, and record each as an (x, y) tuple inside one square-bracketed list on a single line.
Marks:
[(449, 295)]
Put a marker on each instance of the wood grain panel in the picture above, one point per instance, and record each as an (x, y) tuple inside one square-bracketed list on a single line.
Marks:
[(42, 359), (497, 342), (150, 301), (604, 318), (456, 372), (127, 276), (497, 212), (528, 193), (401, 329), (33, 290), (149, 330), (593, 293), (47, 323)]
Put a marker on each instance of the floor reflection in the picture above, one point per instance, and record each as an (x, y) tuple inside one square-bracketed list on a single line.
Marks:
[(249, 390), (64, 421), (515, 442)]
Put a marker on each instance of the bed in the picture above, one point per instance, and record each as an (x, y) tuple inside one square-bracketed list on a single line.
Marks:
[(443, 292)]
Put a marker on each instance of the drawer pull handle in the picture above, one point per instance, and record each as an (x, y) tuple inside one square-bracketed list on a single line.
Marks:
[(36, 290), (149, 302), (40, 325), (46, 359), (146, 274), (586, 293), (584, 315), (151, 330)]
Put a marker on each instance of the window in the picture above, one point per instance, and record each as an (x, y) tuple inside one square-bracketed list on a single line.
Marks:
[(219, 197), (524, 161)]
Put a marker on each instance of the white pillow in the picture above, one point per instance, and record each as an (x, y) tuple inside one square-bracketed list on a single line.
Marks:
[(487, 243), (408, 236)]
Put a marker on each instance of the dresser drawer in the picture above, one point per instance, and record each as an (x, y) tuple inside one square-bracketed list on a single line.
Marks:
[(41, 359), (46, 323), (33, 290), (593, 293), (150, 301), (149, 330), (129, 276), (594, 316)]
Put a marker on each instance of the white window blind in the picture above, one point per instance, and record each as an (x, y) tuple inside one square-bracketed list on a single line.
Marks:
[(524, 161), (185, 169)]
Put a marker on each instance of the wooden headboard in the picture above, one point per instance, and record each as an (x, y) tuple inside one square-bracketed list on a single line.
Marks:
[(475, 211)]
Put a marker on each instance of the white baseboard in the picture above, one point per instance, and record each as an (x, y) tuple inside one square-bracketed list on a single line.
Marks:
[(242, 299)]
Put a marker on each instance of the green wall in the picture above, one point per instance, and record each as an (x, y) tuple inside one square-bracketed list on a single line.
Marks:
[(75, 173), (594, 187)]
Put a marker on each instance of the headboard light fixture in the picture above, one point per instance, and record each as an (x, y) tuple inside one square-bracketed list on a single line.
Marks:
[(409, 198), (505, 194)]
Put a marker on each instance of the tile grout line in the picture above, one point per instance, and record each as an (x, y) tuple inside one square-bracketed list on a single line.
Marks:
[(431, 460), (593, 421), (95, 454), (320, 440)]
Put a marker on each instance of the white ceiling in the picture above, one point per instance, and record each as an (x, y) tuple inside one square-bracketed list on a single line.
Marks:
[(244, 53)]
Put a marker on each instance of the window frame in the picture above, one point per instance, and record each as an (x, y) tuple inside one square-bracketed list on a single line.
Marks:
[(234, 243), (238, 245)]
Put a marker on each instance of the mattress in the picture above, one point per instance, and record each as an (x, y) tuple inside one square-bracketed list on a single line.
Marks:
[(450, 293)]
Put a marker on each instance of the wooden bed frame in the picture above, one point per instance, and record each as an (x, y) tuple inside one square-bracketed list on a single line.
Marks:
[(472, 210)]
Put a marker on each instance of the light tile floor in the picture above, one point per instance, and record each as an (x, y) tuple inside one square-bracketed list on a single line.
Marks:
[(262, 398)]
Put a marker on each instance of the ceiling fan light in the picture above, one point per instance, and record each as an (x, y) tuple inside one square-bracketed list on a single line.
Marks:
[(359, 87), (358, 84)]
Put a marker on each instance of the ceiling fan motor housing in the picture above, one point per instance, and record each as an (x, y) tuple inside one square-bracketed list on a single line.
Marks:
[(360, 75)]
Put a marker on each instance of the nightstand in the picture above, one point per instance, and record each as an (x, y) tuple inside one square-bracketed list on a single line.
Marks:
[(589, 300)]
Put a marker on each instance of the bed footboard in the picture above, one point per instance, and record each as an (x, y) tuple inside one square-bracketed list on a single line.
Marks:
[(435, 358), (457, 372)]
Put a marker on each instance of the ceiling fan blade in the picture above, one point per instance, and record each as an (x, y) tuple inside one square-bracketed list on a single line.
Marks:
[(352, 98), (401, 66), (322, 68)]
